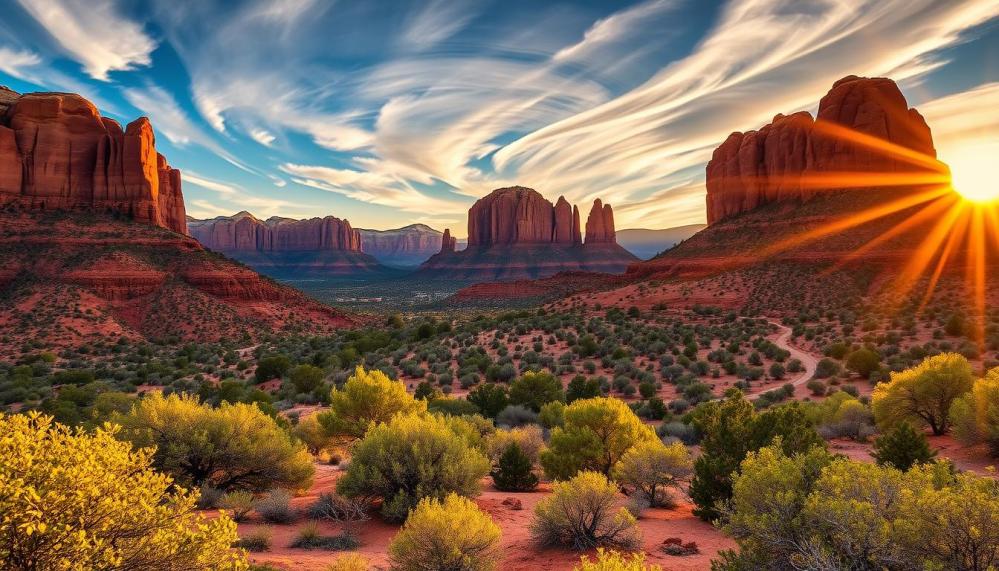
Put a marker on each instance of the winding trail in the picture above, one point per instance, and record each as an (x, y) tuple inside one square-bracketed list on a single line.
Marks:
[(809, 361)]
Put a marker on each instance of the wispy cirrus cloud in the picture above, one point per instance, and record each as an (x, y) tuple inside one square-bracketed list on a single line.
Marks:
[(231, 198), (370, 186), (762, 57), (435, 21), (430, 106), (94, 33), (173, 122), (18, 63)]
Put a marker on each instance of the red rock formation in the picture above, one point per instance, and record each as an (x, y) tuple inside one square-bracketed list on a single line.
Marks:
[(448, 242), (600, 224), (577, 231), (140, 282), (243, 232), (563, 222), (56, 151), (514, 215), (759, 167), (406, 246), (519, 215), (284, 247), (515, 233)]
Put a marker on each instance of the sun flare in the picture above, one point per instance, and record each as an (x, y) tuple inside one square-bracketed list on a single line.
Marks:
[(973, 172)]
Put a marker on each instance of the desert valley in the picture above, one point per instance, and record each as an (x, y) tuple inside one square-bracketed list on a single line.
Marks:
[(803, 375)]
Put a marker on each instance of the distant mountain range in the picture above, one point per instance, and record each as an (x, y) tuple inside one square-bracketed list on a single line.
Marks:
[(646, 243)]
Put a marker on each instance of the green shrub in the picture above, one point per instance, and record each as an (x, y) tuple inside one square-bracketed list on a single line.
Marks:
[(452, 534), (580, 513), (309, 537), (597, 432), (514, 472), (535, 389), (256, 541), (272, 367), (654, 469), (410, 458), (238, 503), (903, 448), (368, 397), (232, 447)]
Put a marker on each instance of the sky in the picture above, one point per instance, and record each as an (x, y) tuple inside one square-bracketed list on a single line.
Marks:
[(393, 112)]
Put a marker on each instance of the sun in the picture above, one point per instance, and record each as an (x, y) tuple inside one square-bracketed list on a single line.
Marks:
[(973, 172)]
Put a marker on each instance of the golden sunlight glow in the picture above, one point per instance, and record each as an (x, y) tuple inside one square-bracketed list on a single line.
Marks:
[(961, 228), (973, 172)]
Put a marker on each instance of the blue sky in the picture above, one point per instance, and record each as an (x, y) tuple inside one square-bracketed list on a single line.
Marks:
[(393, 112)]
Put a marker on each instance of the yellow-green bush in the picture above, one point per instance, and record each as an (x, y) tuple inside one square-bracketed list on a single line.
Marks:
[(654, 469), (410, 458), (77, 501), (923, 394), (452, 534), (596, 433), (976, 414), (817, 511), (529, 438), (234, 446), (580, 513), (615, 561), (368, 397)]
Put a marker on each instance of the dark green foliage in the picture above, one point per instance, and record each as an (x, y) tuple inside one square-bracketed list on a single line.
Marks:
[(581, 388), (534, 390), (425, 391), (452, 407), (73, 377), (513, 472), (730, 429), (490, 398), (863, 361), (826, 368), (272, 367), (306, 378), (903, 448)]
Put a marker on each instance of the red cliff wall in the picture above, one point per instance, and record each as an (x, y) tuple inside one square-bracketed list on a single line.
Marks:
[(57, 152), (519, 215), (759, 167), (245, 233)]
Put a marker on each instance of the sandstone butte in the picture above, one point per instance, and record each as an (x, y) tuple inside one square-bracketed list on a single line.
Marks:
[(517, 233), (773, 164), (243, 232), (407, 246), (58, 152)]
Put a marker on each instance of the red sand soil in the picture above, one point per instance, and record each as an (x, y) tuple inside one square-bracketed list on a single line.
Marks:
[(521, 554), (967, 458)]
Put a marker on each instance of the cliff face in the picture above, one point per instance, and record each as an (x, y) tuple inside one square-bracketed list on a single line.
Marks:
[(448, 242), (243, 232), (407, 246), (57, 152), (515, 233), (285, 247), (519, 215), (858, 124)]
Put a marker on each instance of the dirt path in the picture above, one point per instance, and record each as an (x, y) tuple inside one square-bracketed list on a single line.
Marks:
[(809, 361)]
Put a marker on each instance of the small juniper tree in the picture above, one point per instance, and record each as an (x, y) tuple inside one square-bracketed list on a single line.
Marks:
[(513, 472), (903, 448)]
